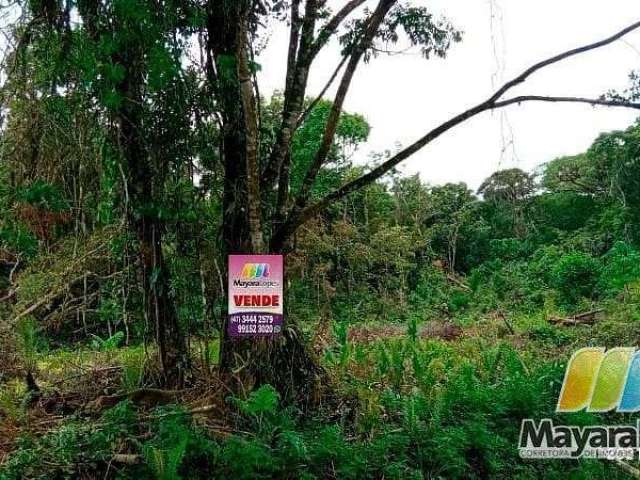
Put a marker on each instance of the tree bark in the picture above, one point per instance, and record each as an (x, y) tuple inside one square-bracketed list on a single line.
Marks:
[(295, 218), (284, 362), (158, 304)]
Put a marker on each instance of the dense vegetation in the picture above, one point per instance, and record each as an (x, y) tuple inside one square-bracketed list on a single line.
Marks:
[(423, 322)]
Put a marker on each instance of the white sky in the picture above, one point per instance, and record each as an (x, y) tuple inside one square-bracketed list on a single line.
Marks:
[(404, 96)]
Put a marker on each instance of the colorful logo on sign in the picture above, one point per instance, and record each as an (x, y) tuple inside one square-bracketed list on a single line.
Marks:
[(256, 284), (256, 270), (599, 381)]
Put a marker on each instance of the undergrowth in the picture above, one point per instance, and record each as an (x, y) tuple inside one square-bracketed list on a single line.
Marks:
[(427, 410)]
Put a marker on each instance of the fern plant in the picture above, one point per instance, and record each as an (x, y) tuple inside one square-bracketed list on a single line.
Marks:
[(261, 405), (166, 462), (107, 344), (133, 363)]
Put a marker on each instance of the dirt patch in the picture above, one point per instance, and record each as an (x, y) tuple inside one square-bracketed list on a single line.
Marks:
[(442, 330), (365, 334), (371, 333)]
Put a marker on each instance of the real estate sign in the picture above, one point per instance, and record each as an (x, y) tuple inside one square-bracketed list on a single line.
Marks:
[(255, 295)]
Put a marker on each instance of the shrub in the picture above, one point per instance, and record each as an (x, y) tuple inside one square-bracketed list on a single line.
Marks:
[(575, 277), (621, 267)]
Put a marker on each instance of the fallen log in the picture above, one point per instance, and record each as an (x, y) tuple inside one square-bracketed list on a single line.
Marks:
[(585, 318)]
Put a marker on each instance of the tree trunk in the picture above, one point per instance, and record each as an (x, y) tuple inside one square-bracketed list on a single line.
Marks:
[(284, 362), (158, 305)]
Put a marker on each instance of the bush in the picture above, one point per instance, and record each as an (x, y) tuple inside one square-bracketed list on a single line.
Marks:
[(575, 277), (43, 195), (621, 267)]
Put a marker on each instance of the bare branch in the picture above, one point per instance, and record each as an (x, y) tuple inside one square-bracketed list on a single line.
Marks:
[(558, 58), (315, 101), (296, 83), (589, 101), (373, 23), (332, 25), (13, 269), (10, 294), (300, 216), (303, 49)]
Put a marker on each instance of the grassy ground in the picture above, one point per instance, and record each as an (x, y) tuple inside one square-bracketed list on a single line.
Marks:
[(426, 401)]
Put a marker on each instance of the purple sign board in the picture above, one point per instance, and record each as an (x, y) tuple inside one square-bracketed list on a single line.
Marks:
[(255, 295)]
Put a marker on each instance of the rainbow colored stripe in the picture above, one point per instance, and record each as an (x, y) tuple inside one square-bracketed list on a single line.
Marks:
[(256, 270), (600, 381)]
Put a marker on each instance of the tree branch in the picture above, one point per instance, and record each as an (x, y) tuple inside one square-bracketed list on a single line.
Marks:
[(295, 86), (558, 58), (371, 28), (299, 62), (299, 217), (294, 39), (326, 87), (588, 101), (332, 25)]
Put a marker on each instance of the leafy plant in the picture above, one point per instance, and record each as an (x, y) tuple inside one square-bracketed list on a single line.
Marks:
[(575, 277), (107, 344), (133, 364), (621, 267), (261, 405)]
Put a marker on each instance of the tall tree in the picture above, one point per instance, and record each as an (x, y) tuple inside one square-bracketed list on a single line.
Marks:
[(252, 223), (120, 63), (136, 38)]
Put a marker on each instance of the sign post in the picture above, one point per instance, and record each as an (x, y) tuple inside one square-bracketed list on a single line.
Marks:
[(255, 295)]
